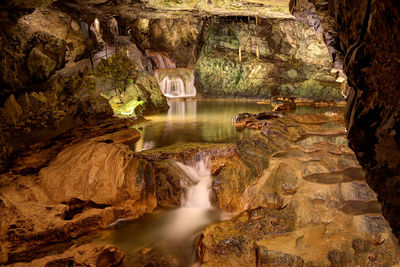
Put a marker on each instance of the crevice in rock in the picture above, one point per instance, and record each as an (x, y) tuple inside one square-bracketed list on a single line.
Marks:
[(363, 31), (77, 206)]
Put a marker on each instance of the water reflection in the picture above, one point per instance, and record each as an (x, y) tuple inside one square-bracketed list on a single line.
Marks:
[(202, 121), (339, 140)]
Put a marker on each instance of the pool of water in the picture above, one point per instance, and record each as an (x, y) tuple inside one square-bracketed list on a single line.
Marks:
[(330, 139), (201, 121), (171, 234), (158, 232)]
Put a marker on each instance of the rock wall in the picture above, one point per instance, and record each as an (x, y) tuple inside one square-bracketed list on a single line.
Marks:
[(278, 57), (368, 32), (308, 204), (48, 85), (35, 47), (113, 87), (178, 37)]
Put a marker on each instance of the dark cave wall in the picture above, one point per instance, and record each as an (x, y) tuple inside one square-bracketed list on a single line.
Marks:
[(369, 32)]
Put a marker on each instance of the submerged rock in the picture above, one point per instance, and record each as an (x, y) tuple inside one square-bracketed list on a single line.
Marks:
[(152, 257)]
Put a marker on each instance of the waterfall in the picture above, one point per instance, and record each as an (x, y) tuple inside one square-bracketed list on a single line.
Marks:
[(195, 204), (172, 87), (198, 195), (174, 82), (161, 60), (178, 82)]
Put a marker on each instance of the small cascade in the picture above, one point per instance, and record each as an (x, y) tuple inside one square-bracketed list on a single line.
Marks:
[(175, 83), (161, 60), (196, 209), (172, 87), (198, 195)]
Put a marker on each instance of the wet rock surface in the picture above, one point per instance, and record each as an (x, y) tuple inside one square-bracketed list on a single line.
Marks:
[(60, 204), (364, 31), (231, 243), (291, 200), (66, 189), (305, 205), (85, 255)]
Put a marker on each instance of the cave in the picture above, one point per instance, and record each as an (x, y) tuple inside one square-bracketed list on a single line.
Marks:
[(199, 133)]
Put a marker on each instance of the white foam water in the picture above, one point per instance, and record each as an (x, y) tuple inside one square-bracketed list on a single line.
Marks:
[(195, 203), (173, 87)]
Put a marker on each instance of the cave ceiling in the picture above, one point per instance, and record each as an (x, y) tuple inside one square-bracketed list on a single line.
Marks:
[(151, 8)]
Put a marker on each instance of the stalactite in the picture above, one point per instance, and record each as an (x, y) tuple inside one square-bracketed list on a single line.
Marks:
[(257, 51), (250, 50)]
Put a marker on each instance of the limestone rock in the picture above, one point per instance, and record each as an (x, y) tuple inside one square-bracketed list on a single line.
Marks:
[(85, 255), (308, 191), (363, 31), (40, 66), (280, 57), (178, 37), (86, 187), (13, 108), (230, 243), (132, 92), (153, 257), (100, 170)]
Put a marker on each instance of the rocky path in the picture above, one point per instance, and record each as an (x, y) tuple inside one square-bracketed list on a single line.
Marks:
[(81, 65)]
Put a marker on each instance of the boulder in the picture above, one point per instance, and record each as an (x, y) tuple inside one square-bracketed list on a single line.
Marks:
[(101, 170), (40, 66)]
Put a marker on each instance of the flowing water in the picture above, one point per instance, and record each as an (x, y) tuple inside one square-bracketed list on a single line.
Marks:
[(173, 232), (176, 82)]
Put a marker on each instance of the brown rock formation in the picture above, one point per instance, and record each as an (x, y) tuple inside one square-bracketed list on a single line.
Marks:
[(178, 37), (368, 32), (308, 204), (85, 255), (88, 186)]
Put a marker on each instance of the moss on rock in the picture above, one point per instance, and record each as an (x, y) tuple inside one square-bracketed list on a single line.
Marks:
[(278, 57), (129, 92)]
